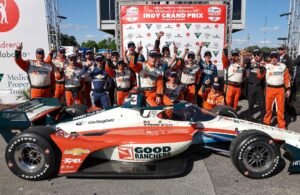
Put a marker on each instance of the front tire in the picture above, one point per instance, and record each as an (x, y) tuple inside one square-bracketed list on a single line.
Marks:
[(255, 154), (30, 156)]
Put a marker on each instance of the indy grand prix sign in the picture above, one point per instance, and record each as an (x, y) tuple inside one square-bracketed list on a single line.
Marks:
[(186, 25)]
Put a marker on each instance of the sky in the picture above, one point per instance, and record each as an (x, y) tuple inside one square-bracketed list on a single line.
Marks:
[(82, 22)]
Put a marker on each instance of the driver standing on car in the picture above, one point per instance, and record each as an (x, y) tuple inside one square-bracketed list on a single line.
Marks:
[(40, 73), (277, 87)]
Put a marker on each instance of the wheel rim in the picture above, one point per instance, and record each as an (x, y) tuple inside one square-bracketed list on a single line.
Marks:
[(258, 157), (29, 157)]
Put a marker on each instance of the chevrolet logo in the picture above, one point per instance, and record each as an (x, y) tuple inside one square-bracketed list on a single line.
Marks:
[(77, 151)]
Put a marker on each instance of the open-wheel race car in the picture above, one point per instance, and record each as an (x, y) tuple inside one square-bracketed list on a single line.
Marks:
[(136, 141)]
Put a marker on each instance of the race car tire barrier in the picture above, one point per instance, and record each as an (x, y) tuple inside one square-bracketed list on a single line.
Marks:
[(44, 149), (244, 143)]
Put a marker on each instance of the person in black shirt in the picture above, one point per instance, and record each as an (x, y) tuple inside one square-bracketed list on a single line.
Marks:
[(255, 86)]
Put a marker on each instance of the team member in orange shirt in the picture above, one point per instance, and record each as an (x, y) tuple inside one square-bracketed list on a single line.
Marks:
[(123, 78), (40, 73), (234, 75), (277, 87), (60, 63), (212, 96), (150, 80), (73, 82)]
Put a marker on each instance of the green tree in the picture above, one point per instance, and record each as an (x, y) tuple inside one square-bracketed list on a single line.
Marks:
[(251, 48), (67, 40), (90, 44), (108, 43)]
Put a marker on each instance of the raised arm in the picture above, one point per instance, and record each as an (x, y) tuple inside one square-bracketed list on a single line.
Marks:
[(225, 60), (184, 53), (157, 41), (108, 68), (173, 59), (24, 65), (198, 53), (135, 66)]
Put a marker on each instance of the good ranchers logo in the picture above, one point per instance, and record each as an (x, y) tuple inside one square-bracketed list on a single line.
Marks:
[(143, 153), (9, 15)]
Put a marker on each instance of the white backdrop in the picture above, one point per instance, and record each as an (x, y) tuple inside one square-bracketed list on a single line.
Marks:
[(31, 29), (182, 24)]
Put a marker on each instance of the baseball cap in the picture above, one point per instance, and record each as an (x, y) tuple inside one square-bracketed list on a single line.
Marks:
[(130, 43), (216, 86), (281, 47), (89, 52), (115, 53), (153, 53), (40, 51), (173, 74), (165, 47), (99, 58), (235, 53), (73, 57), (120, 61), (206, 53), (62, 50), (274, 54), (256, 52), (191, 54)]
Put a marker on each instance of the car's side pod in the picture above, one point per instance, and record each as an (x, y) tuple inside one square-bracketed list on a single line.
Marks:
[(294, 154)]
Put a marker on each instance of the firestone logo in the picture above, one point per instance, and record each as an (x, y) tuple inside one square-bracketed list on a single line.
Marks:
[(9, 15)]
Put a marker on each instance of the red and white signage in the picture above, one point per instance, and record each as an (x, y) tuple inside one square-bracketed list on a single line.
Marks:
[(19, 23), (186, 25)]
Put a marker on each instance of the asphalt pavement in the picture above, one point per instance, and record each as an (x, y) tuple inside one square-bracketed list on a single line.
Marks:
[(213, 174)]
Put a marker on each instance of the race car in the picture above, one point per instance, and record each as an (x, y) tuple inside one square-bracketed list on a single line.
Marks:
[(136, 141)]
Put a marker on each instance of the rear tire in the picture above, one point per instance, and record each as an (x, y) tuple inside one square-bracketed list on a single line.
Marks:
[(30, 156), (255, 154)]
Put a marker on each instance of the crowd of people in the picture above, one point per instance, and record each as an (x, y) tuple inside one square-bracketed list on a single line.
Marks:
[(103, 80)]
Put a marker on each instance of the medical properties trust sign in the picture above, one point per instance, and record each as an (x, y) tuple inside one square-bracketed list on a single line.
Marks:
[(18, 23)]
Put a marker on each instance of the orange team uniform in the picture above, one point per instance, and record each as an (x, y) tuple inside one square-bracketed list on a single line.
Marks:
[(41, 76), (124, 81), (59, 66), (234, 81), (73, 85), (150, 82), (211, 98), (277, 80), (190, 76)]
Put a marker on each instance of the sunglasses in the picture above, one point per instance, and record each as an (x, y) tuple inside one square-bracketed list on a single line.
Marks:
[(256, 54), (208, 56), (191, 56), (235, 55), (173, 76)]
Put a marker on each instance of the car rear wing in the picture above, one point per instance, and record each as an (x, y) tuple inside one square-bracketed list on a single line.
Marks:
[(21, 116)]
